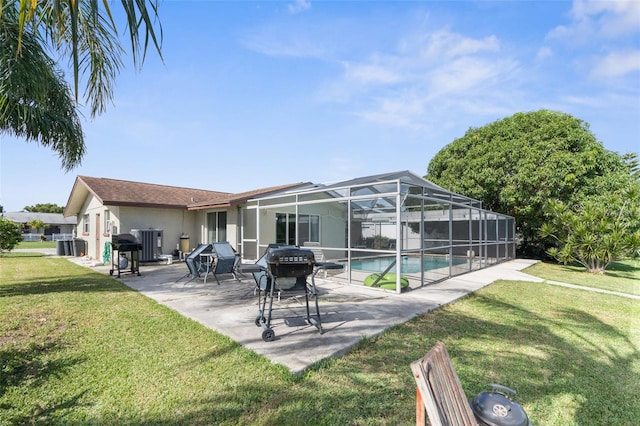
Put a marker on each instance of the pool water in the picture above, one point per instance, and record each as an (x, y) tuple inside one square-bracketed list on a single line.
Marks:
[(410, 265)]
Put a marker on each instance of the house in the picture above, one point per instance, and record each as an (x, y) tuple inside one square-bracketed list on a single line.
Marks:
[(392, 222), (105, 207), (56, 224)]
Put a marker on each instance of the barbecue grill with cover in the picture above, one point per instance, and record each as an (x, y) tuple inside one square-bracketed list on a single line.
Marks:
[(120, 245), (285, 269)]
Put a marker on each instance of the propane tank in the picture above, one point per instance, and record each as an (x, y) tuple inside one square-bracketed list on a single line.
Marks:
[(123, 262)]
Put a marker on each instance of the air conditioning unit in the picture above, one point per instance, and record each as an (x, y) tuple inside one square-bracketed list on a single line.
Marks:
[(151, 240)]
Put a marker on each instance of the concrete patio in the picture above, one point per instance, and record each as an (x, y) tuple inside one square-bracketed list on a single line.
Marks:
[(348, 313)]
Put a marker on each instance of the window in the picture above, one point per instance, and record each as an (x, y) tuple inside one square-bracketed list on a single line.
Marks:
[(309, 228), (107, 221), (216, 227), (85, 224)]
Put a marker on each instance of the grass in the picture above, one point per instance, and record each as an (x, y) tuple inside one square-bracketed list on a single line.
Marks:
[(36, 244), (77, 347), (28, 245), (622, 276)]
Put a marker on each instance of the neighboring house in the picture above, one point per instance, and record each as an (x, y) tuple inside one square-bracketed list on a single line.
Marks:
[(55, 223), (105, 207)]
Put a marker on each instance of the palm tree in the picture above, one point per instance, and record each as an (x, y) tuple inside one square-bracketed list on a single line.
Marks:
[(35, 101)]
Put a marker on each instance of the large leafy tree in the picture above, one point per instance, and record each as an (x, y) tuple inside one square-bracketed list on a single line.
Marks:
[(35, 101), (516, 164), (44, 208)]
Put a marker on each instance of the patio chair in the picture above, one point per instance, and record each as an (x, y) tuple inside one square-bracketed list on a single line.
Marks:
[(261, 278), (317, 253), (439, 392), (225, 261), (197, 262)]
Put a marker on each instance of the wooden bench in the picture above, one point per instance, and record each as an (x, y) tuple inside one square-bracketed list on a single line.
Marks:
[(439, 393)]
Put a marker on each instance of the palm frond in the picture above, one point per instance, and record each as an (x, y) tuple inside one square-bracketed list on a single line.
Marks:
[(69, 26), (36, 102)]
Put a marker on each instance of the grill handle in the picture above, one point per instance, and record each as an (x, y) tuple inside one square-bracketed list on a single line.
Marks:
[(250, 268), (503, 390), (329, 265)]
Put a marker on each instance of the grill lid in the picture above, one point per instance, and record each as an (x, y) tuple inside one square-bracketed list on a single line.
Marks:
[(290, 261), (125, 241), (496, 408)]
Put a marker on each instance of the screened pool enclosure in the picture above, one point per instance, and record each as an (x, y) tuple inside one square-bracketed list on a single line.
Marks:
[(397, 225)]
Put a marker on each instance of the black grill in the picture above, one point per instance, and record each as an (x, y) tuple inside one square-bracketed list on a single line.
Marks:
[(125, 242), (290, 262), (121, 244)]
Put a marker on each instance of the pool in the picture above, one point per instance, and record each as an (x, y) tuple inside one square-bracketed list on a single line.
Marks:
[(410, 265)]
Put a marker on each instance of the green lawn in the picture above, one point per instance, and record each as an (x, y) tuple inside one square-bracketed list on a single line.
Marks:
[(36, 244), (622, 276), (78, 347)]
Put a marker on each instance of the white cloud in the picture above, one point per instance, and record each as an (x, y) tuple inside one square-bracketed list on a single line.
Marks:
[(544, 53), (617, 64), (594, 19), (407, 87), (299, 6), (610, 18), (468, 73), (397, 111), (589, 101), (371, 74), (297, 47), (446, 44)]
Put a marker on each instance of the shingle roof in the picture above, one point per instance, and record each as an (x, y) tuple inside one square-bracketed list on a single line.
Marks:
[(116, 192), (48, 218)]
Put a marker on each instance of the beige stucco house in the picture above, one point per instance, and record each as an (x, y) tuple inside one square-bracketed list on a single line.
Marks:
[(105, 207)]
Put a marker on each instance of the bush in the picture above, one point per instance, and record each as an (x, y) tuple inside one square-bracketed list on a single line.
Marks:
[(10, 234), (596, 232)]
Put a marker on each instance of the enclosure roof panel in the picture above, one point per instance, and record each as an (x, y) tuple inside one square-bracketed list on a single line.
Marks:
[(405, 177)]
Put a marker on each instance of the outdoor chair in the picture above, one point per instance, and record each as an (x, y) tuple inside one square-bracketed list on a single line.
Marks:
[(197, 262), (225, 261), (439, 393), (294, 287), (317, 252), (261, 278)]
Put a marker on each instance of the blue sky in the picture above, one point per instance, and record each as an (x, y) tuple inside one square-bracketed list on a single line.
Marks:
[(254, 94)]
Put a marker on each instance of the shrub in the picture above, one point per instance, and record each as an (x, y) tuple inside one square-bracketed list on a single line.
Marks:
[(596, 232), (10, 234)]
